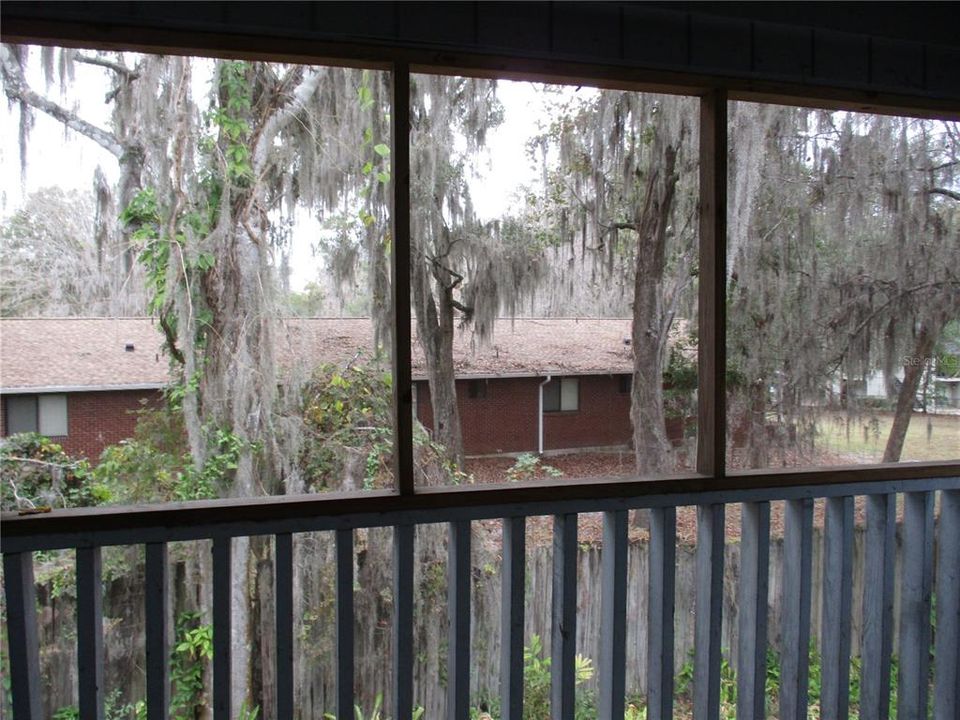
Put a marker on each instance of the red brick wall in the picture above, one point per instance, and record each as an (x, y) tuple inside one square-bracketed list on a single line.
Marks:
[(98, 419), (506, 419)]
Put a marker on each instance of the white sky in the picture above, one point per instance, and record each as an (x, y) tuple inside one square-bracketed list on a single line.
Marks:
[(65, 159)]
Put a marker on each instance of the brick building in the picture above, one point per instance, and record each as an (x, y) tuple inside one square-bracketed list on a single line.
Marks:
[(538, 384)]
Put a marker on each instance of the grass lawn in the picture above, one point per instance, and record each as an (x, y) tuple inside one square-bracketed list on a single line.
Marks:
[(862, 438)]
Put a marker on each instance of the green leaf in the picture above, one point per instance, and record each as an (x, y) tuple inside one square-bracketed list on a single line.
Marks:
[(383, 177), (381, 150)]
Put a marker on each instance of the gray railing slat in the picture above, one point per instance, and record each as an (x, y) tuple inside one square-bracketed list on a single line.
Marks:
[(613, 613), (797, 567), (661, 585), (709, 611), (22, 642), (837, 601), (156, 612), (877, 643), (402, 621), (915, 590), (754, 585), (458, 608), (512, 604), (563, 633), (222, 630), (345, 624), (946, 696), (283, 581), (90, 632)]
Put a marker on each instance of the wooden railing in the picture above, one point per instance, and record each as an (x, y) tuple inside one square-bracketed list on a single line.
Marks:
[(220, 521)]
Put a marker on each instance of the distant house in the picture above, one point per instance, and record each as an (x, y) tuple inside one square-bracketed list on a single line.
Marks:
[(79, 380)]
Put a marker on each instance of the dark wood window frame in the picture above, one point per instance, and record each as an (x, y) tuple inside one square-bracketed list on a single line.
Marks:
[(714, 92)]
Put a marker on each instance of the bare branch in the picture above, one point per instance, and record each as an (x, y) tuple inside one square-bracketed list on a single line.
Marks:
[(953, 195), (16, 88), (109, 64)]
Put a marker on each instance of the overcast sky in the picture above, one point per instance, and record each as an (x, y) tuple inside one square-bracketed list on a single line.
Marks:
[(55, 157)]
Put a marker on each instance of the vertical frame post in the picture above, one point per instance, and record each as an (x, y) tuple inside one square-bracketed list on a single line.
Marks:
[(400, 287), (712, 300)]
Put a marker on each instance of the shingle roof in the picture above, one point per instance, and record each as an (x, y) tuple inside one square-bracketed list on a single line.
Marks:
[(77, 353)]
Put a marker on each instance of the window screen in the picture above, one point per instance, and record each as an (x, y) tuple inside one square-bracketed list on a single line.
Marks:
[(53, 415), (562, 394), (45, 414), (21, 414)]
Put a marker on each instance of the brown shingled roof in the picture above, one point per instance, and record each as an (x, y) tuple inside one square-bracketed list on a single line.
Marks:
[(77, 353), (74, 353)]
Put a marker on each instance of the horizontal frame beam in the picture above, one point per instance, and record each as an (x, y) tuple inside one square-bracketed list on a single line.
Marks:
[(205, 519), (618, 75)]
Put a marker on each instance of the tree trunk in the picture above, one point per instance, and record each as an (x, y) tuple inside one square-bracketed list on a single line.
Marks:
[(652, 450), (912, 373), (435, 333)]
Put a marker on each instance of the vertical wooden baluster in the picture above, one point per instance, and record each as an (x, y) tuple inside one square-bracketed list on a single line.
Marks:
[(90, 632), (878, 606), (563, 634), (915, 591), (283, 579), (511, 617), (661, 586), (709, 609), (345, 625), (754, 584), (458, 607), (157, 631), (837, 600), (797, 567), (946, 696), (222, 630), (613, 624), (403, 621), (22, 641)]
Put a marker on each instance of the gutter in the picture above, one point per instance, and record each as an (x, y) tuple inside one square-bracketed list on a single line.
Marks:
[(41, 389), (540, 415)]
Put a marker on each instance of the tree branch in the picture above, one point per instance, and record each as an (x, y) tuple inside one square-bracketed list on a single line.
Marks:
[(16, 88), (109, 64), (946, 193)]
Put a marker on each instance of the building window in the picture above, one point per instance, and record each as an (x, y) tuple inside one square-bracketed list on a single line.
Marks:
[(477, 389), (45, 414), (561, 395)]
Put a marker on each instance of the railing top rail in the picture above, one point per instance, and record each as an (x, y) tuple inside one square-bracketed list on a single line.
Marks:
[(128, 525)]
